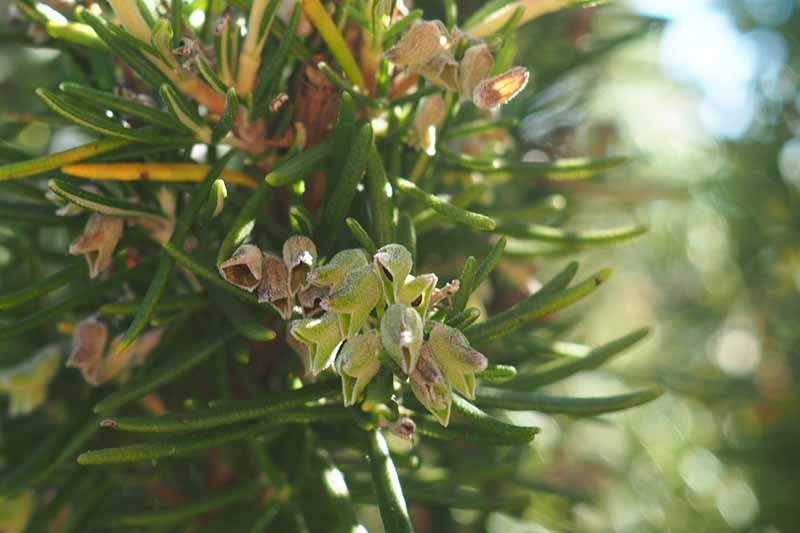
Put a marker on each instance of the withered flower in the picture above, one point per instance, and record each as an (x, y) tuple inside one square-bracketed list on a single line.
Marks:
[(313, 299), (357, 363), (89, 340), (299, 254), (244, 268), (117, 365), (97, 243), (274, 287), (458, 360), (401, 335)]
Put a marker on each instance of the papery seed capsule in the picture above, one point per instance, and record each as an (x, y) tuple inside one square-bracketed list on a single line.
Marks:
[(117, 364), (244, 268), (89, 340), (97, 243), (299, 254), (322, 337), (423, 40), (499, 89), (429, 117), (476, 65), (313, 299), (274, 287)]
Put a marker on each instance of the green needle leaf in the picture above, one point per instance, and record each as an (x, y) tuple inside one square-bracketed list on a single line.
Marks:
[(226, 121), (45, 286), (244, 322), (103, 204), (488, 425), (300, 166), (381, 205), (498, 373), (537, 305), (159, 281), (525, 401), (462, 216), (560, 369), (571, 237)]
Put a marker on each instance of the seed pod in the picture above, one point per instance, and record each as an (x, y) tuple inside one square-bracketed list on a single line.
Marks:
[(458, 360), (274, 287), (401, 335), (476, 65), (355, 299), (441, 70), (499, 89), (97, 243), (26, 383), (332, 273), (423, 40), (117, 365), (427, 121), (393, 263), (300, 348), (417, 292), (88, 346), (357, 363), (313, 299), (244, 268), (299, 254), (430, 387), (322, 337)]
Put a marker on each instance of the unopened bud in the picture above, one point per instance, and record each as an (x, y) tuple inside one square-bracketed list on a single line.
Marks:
[(97, 243), (401, 335), (244, 268)]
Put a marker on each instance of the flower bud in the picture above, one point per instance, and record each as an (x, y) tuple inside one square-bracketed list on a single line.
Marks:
[(88, 346), (417, 293), (274, 287), (332, 273), (458, 360), (26, 383), (118, 364), (430, 387), (355, 299), (476, 65), (244, 268), (322, 337), (299, 254), (401, 335), (427, 121), (423, 40), (499, 89), (393, 263), (358, 363), (97, 243)]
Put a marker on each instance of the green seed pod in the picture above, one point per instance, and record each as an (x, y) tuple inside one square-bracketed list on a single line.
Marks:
[(417, 293), (358, 363), (401, 335), (26, 383), (322, 337), (458, 360), (332, 273), (430, 386), (393, 263), (355, 299)]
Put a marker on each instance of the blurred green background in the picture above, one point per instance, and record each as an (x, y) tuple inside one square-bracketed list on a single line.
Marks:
[(703, 94)]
